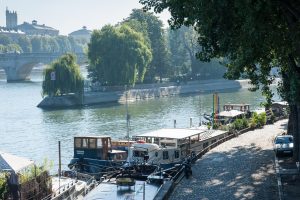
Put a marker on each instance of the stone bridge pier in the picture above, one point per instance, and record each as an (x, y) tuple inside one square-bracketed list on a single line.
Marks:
[(18, 67)]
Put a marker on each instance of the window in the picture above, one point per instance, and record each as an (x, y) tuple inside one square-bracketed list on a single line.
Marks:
[(176, 153), (108, 143), (165, 155), (99, 143), (77, 142), (139, 153), (84, 143), (92, 143)]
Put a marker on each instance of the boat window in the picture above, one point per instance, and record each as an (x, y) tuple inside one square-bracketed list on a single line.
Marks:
[(77, 142), (139, 153), (176, 154), (99, 143), (92, 143), (109, 143), (84, 142), (165, 155)]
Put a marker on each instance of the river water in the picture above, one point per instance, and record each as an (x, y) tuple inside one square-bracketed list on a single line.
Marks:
[(26, 130)]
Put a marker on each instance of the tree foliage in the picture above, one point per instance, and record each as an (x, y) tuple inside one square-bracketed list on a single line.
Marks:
[(160, 65), (118, 56), (254, 36), (183, 44), (67, 77)]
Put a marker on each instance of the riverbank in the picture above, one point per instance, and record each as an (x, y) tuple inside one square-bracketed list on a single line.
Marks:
[(241, 168), (142, 92)]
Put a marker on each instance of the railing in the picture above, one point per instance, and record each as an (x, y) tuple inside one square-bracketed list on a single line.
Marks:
[(69, 189)]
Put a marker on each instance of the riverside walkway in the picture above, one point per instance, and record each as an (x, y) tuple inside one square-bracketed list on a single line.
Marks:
[(241, 168)]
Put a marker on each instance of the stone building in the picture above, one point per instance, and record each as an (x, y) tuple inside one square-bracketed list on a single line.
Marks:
[(28, 28), (82, 34), (11, 19), (36, 29)]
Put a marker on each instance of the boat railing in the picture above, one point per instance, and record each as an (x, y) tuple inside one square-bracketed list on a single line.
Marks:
[(69, 189)]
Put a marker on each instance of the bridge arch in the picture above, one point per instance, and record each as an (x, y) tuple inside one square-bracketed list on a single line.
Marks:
[(18, 67)]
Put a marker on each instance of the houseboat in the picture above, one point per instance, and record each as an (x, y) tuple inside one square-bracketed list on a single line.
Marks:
[(167, 147), (94, 155)]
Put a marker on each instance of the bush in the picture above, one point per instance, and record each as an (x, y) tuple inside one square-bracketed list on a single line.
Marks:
[(240, 124), (258, 120), (3, 186)]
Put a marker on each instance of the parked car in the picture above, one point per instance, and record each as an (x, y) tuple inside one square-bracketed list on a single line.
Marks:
[(283, 144)]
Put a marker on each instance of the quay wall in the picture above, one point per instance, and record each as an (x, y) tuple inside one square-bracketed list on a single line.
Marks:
[(142, 92)]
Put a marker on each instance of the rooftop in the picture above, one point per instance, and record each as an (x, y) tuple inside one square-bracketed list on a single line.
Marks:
[(174, 133)]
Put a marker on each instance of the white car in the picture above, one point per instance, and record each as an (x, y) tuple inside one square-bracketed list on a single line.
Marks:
[(283, 144)]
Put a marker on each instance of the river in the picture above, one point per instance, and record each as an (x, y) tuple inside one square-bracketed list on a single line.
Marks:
[(26, 130)]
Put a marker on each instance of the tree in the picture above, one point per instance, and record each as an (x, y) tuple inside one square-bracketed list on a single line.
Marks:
[(65, 75), (184, 46), (254, 36), (118, 56), (25, 43), (13, 48), (37, 45), (154, 28), (64, 44), (5, 40)]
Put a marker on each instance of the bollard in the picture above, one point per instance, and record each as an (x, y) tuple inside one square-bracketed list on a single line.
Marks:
[(174, 123), (191, 122)]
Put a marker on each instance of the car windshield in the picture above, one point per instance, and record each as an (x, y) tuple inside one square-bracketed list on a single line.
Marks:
[(282, 140)]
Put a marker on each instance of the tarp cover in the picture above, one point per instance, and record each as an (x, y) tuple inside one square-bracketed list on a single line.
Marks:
[(9, 162)]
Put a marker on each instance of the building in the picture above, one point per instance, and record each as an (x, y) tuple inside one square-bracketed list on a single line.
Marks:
[(11, 19), (36, 29), (82, 34), (28, 28)]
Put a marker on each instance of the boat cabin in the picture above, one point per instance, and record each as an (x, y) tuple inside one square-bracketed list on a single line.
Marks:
[(121, 144), (172, 138), (96, 147), (240, 107)]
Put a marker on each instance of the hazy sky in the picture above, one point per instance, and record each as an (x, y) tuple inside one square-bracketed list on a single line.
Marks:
[(71, 15)]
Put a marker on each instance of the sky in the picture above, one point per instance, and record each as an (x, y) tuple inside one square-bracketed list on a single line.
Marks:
[(71, 15)]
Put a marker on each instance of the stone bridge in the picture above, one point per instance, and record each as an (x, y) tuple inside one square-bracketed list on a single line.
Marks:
[(18, 66)]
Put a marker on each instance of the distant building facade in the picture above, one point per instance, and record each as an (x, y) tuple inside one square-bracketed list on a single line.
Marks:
[(36, 29), (11, 19), (82, 34), (28, 28)]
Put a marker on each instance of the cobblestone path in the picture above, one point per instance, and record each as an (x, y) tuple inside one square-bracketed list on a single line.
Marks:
[(241, 168)]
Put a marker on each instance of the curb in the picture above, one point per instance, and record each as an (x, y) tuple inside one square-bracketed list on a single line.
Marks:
[(280, 193)]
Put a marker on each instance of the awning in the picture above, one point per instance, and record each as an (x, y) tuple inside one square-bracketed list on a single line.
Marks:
[(9, 162)]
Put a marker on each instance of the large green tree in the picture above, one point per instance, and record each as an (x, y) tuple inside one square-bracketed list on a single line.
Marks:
[(183, 43), (255, 36), (153, 27), (63, 77), (118, 56)]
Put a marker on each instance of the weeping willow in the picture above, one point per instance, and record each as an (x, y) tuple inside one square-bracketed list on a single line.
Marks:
[(67, 79)]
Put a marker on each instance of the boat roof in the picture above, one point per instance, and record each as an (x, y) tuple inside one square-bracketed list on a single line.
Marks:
[(230, 113), (236, 104), (93, 136), (172, 133)]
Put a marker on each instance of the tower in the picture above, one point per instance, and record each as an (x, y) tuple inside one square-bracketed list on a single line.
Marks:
[(11, 19)]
